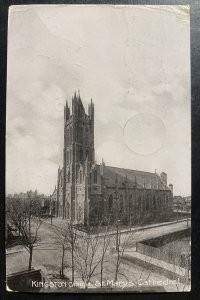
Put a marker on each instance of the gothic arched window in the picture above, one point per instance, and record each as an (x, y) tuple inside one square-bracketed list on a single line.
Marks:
[(87, 154), (110, 203), (86, 136), (68, 176), (168, 199), (147, 204), (130, 203), (70, 155), (158, 203), (79, 214), (67, 158), (139, 203), (80, 134), (95, 211), (136, 201), (70, 134), (81, 155), (81, 177), (154, 202), (67, 138), (95, 176), (121, 204), (68, 207)]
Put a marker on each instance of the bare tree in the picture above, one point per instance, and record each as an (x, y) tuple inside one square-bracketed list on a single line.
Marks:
[(22, 215), (121, 244), (87, 250), (66, 239), (105, 241), (72, 242), (88, 256), (62, 242), (122, 241)]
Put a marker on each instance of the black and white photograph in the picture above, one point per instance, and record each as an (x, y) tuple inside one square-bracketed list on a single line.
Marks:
[(98, 149)]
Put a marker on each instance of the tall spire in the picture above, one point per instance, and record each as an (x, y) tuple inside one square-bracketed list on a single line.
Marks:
[(74, 106), (66, 111)]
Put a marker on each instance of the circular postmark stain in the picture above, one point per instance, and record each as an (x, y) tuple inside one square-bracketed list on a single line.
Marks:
[(144, 133)]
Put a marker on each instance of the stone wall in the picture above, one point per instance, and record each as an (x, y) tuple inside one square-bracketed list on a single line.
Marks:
[(157, 247)]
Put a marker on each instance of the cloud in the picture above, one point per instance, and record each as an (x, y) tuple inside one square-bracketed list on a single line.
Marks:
[(130, 60)]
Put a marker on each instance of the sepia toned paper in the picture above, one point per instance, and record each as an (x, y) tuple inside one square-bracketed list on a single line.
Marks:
[(98, 153)]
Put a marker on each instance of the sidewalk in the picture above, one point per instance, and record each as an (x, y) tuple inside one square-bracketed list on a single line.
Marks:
[(169, 270), (150, 226), (57, 222), (15, 249)]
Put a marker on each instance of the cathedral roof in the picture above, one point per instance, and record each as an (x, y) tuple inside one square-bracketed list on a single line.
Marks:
[(143, 179)]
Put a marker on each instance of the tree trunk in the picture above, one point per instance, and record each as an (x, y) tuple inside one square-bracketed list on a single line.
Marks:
[(30, 258), (102, 262), (116, 272), (29, 227), (117, 240), (117, 266), (72, 263), (62, 263), (102, 273)]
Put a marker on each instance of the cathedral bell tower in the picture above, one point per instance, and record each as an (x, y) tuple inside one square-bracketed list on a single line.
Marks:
[(78, 148)]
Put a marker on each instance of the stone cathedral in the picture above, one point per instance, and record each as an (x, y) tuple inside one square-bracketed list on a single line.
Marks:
[(88, 193)]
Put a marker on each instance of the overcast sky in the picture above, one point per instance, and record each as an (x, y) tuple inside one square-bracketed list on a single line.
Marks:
[(133, 61)]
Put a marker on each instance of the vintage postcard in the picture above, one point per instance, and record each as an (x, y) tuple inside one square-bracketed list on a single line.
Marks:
[(98, 153)]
